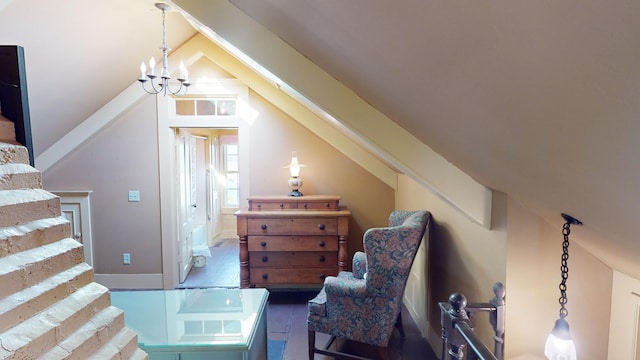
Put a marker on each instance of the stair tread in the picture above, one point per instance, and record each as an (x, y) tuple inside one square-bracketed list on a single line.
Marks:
[(18, 261), (123, 345), (17, 168), (30, 300), (23, 229), (87, 339), (14, 239), (19, 196), (48, 322)]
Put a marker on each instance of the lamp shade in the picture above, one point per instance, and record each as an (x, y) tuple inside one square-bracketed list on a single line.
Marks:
[(559, 345), (294, 166)]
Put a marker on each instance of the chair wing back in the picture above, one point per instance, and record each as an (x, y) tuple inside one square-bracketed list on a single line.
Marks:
[(390, 251)]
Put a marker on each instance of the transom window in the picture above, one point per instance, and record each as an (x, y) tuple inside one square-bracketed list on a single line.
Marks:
[(206, 107)]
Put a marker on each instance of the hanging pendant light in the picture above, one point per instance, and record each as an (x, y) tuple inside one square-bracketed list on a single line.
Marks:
[(162, 85), (559, 345)]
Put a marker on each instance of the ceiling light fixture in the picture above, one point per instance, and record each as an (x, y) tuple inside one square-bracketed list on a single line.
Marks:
[(162, 86), (559, 345)]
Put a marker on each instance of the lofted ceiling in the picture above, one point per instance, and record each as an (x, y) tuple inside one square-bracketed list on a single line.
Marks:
[(537, 99)]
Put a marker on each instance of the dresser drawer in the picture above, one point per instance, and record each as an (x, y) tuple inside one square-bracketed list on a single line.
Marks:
[(293, 243), (266, 276), (292, 226), (283, 259), (270, 205)]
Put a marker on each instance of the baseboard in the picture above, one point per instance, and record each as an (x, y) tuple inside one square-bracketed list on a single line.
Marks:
[(129, 281)]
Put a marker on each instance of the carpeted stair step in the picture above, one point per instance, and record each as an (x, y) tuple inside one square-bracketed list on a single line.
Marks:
[(28, 268), (19, 176), (31, 235), (13, 153), (21, 206), (16, 307), (90, 337), (40, 333)]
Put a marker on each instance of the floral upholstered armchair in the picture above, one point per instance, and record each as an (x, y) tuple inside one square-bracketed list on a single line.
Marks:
[(364, 305)]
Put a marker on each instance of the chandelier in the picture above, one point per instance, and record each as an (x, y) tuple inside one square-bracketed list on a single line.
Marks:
[(162, 85)]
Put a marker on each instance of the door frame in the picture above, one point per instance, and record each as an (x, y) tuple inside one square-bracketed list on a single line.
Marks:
[(167, 126)]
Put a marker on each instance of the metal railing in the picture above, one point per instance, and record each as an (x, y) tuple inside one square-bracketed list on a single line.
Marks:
[(458, 320)]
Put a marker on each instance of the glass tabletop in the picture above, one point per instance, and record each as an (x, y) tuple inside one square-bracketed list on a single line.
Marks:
[(192, 317)]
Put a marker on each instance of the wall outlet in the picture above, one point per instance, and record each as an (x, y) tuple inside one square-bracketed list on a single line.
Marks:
[(126, 259), (134, 195)]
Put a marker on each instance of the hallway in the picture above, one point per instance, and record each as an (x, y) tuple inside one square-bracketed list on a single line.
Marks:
[(222, 269)]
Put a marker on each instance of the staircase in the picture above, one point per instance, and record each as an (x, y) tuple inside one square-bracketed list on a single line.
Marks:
[(50, 308)]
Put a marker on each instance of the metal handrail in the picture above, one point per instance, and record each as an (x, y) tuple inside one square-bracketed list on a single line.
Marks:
[(457, 319)]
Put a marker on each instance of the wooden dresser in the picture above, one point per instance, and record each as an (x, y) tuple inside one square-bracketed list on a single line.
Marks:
[(292, 241)]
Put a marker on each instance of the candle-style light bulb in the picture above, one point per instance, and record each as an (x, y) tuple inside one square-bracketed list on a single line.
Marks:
[(152, 66), (182, 70), (143, 70)]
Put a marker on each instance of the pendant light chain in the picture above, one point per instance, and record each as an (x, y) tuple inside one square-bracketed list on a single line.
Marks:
[(564, 269)]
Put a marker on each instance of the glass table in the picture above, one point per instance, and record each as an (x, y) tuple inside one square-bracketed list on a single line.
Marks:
[(197, 324)]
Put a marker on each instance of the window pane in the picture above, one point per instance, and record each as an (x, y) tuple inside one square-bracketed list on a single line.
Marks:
[(231, 158), (206, 107), (185, 107), (226, 107), (232, 198)]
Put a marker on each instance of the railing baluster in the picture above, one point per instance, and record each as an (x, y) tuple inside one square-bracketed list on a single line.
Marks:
[(457, 320)]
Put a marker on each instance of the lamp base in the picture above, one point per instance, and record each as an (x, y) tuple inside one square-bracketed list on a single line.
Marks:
[(295, 193)]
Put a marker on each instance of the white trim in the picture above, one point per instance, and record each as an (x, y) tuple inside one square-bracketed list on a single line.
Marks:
[(167, 123), (625, 317), (129, 281), (81, 198)]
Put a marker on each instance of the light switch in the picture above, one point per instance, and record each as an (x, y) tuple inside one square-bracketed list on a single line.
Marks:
[(134, 195)]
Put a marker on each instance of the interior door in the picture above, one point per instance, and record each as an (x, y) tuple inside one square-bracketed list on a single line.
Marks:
[(185, 151)]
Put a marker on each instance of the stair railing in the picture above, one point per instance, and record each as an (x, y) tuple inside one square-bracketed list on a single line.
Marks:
[(458, 320)]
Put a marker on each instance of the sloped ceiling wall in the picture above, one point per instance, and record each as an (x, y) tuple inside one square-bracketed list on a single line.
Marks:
[(539, 100)]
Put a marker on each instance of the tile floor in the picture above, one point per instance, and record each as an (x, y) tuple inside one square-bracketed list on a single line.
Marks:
[(287, 311)]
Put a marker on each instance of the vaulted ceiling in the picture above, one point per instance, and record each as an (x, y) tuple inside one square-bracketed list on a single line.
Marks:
[(537, 99)]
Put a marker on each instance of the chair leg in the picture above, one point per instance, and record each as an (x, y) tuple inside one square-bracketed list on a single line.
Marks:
[(399, 325), (312, 344), (383, 351)]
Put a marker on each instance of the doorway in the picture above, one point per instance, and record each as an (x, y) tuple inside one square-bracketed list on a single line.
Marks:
[(205, 118), (208, 197)]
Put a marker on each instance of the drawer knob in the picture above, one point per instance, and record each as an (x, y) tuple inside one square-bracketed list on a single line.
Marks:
[(322, 244), (265, 258), (322, 276), (322, 259), (281, 205), (263, 244), (264, 226), (265, 276), (259, 206), (328, 205), (321, 226), (305, 205)]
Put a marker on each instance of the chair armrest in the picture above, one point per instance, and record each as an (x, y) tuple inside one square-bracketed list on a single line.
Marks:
[(359, 265), (337, 287)]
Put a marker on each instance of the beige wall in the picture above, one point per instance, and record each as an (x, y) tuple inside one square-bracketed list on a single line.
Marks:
[(274, 136), (523, 252), (121, 158), (124, 157), (533, 274), (462, 257)]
